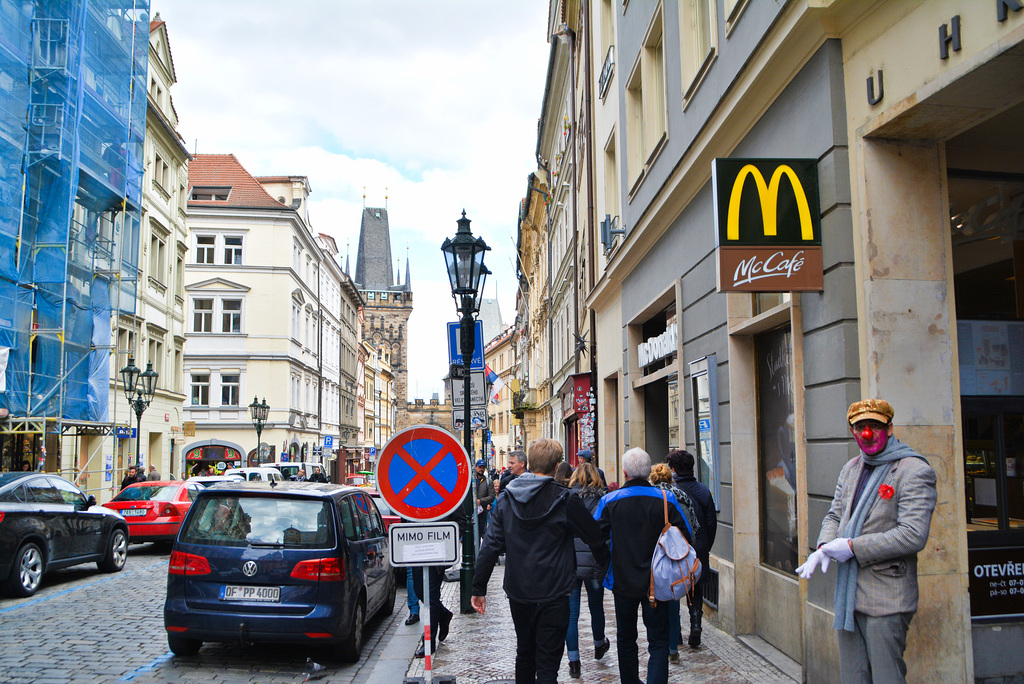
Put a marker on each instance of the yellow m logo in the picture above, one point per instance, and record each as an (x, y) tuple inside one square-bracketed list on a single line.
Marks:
[(769, 195)]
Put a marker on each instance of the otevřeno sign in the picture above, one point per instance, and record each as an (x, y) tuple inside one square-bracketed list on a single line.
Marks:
[(768, 223)]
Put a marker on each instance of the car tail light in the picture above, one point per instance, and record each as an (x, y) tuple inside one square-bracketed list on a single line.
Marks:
[(322, 569), (187, 564), (169, 511), (1, 517)]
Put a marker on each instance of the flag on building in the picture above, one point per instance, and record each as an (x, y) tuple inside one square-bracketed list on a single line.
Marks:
[(496, 383)]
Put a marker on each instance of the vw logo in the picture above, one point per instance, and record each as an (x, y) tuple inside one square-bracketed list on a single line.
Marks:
[(249, 569)]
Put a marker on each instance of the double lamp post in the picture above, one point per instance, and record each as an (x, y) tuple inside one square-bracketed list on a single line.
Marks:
[(260, 413), (464, 258), (139, 388)]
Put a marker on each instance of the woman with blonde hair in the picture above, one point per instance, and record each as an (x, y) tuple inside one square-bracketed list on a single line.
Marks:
[(586, 483)]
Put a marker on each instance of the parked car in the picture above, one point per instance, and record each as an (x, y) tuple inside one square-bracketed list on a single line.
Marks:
[(47, 523), (154, 510), (207, 480), (257, 474), (290, 470), (290, 562), (386, 513)]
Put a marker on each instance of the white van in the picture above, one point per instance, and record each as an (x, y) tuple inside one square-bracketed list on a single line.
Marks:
[(290, 470), (259, 474)]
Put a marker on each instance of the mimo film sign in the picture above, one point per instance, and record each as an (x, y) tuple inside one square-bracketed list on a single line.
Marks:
[(768, 223)]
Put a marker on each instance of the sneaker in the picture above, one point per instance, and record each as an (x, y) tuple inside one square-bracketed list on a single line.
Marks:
[(673, 657), (599, 651), (574, 669)]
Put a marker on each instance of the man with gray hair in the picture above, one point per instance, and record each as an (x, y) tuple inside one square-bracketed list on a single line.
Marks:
[(516, 467), (632, 517)]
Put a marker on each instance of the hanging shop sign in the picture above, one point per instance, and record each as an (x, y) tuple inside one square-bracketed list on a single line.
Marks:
[(576, 396), (768, 222), (213, 453)]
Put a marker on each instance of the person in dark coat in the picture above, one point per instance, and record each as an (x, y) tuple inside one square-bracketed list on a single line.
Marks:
[(632, 517), (132, 477), (516, 466), (440, 616), (484, 496), (534, 522), (682, 463), (588, 456), (585, 483)]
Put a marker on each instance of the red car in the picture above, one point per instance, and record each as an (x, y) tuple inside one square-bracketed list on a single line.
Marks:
[(388, 515), (154, 510)]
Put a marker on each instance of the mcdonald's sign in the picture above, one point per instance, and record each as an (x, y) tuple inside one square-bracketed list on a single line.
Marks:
[(768, 222)]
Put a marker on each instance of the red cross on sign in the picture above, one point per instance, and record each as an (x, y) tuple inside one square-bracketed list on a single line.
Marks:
[(423, 473)]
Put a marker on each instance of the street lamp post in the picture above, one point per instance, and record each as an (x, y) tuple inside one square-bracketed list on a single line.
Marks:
[(260, 413), (464, 258), (139, 388)]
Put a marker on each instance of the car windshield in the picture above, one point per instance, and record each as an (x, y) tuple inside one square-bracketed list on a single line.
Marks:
[(232, 520), (147, 493)]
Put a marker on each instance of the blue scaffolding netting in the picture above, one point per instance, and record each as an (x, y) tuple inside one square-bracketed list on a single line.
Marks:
[(72, 128)]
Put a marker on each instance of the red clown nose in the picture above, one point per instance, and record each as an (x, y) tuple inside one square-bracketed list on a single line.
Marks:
[(866, 434)]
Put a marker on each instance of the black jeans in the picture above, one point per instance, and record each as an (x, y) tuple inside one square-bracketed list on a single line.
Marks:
[(656, 620), (540, 639), (436, 607)]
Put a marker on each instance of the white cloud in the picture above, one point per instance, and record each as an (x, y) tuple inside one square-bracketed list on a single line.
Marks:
[(435, 101)]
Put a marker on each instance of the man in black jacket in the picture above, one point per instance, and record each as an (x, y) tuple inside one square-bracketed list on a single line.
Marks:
[(682, 463), (534, 524), (633, 517), (516, 467)]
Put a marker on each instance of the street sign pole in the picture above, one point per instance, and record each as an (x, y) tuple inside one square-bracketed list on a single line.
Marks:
[(468, 545)]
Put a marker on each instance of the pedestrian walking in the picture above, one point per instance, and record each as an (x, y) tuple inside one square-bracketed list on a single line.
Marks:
[(878, 522), (588, 456), (534, 523), (440, 616), (632, 517), (484, 496), (661, 477), (411, 599), (705, 527), (154, 474), (517, 465), (563, 472), (132, 477), (586, 484)]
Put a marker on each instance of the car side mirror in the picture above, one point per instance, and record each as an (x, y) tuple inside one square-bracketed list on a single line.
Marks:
[(90, 502)]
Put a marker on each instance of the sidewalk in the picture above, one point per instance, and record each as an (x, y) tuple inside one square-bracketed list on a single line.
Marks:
[(481, 648)]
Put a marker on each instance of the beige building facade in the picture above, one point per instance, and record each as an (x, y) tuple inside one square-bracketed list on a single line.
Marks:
[(906, 111)]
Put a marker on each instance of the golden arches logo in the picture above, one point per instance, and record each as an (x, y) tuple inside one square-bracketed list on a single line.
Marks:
[(769, 195)]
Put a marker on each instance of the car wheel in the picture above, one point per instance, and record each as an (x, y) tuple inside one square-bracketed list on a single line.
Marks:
[(389, 601), (352, 647), (117, 552), (27, 571), (181, 646)]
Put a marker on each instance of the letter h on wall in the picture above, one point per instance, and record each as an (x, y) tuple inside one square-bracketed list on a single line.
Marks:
[(949, 37)]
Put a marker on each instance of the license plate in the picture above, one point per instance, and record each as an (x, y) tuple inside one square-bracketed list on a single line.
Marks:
[(129, 512), (234, 592)]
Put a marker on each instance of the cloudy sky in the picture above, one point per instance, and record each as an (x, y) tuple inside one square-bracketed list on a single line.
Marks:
[(433, 102)]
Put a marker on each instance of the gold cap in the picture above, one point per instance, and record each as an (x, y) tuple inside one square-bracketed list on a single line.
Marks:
[(870, 409)]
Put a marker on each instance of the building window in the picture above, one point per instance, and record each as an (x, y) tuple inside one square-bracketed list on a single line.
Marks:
[(231, 315), (157, 257), (369, 296), (654, 103), (229, 390), (219, 194), (776, 449), (698, 37), (161, 173), (201, 390), (156, 356), (179, 276), (233, 250), (204, 249), (176, 380), (635, 124), (296, 257), (202, 315), (383, 296)]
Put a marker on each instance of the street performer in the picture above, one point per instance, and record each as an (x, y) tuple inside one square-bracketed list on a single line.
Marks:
[(878, 522)]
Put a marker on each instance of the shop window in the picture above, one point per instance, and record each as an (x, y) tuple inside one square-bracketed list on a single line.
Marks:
[(704, 385), (776, 449)]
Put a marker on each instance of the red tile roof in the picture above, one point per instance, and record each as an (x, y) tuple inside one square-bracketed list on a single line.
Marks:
[(224, 170)]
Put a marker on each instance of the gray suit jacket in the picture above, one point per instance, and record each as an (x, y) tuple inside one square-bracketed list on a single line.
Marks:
[(894, 531)]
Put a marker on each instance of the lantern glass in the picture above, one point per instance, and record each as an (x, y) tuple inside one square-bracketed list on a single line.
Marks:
[(129, 377), (149, 378)]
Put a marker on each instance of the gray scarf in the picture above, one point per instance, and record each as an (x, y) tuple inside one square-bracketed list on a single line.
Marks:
[(846, 575)]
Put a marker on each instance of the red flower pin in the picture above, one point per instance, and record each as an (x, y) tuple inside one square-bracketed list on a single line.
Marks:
[(886, 492)]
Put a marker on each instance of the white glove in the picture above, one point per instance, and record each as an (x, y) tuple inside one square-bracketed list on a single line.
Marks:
[(839, 549), (817, 558)]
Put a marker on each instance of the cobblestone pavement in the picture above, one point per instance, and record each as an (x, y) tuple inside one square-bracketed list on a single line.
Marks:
[(86, 626), (481, 648)]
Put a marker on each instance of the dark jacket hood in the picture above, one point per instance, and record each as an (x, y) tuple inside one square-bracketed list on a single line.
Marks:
[(524, 489)]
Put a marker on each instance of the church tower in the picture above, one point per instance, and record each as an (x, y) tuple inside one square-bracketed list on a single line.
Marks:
[(388, 302)]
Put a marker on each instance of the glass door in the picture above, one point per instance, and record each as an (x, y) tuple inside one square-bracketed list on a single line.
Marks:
[(994, 463)]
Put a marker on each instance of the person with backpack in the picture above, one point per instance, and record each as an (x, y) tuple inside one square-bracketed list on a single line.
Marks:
[(586, 484), (661, 477), (705, 526), (633, 517), (534, 523)]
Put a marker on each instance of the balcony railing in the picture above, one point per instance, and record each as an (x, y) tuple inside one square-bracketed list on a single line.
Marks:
[(606, 72)]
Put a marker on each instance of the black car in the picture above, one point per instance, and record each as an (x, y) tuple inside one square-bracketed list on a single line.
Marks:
[(47, 523), (288, 562)]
